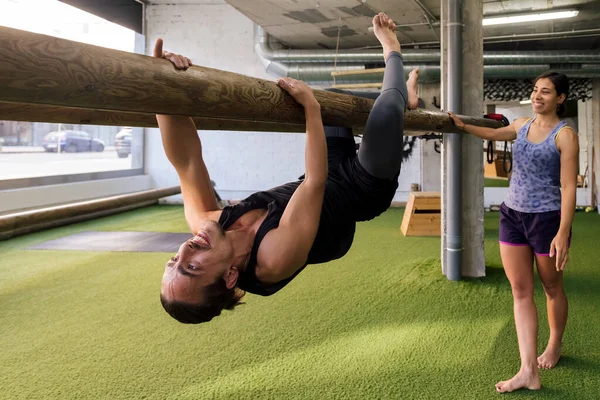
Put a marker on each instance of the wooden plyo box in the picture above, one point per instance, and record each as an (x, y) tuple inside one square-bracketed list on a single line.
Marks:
[(423, 214), (495, 170)]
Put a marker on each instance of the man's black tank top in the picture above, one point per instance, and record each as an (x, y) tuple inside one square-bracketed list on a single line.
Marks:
[(333, 240), (351, 195)]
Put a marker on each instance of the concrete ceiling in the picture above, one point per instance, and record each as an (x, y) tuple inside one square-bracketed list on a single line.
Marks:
[(313, 24)]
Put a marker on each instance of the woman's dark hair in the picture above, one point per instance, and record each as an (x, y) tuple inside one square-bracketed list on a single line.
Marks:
[(216, 299), (561, 84)]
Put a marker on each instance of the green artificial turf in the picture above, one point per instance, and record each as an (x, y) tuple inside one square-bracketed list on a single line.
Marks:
[(491, 182), (382, 323)]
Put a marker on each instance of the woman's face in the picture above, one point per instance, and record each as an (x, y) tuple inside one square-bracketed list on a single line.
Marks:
[(544, 99)]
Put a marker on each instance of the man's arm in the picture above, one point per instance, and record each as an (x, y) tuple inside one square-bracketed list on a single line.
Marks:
[(288, 246), (184, 150)]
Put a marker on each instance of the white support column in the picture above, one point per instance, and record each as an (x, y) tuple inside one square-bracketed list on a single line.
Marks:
[(585, 131), (473, 256), (444, 103), (472, 153), (595, 177)]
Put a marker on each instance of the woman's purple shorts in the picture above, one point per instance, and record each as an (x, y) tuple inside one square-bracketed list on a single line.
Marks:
[(536, 230)]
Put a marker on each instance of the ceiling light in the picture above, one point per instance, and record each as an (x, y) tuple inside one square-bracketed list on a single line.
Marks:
[(541, 16), (525, 102)]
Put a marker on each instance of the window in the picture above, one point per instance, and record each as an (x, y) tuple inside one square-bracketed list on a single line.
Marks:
[(39, 153)]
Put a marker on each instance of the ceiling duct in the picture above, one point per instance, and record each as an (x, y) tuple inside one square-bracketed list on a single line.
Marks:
[(315, 66)]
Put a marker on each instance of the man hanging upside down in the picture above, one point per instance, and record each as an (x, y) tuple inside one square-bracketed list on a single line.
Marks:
[(262, 243)]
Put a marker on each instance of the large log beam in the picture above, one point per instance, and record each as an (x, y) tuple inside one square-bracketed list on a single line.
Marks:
[(40, 69), (82, 116), (24, 222)]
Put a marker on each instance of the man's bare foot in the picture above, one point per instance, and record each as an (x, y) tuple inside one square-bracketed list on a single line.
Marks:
[(549, 357), (413, 90), (522, 380), (385, 30)]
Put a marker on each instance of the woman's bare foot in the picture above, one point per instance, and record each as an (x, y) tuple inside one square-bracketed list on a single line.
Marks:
[(413, 90), (549, 357), (385, 31), (522, 380)]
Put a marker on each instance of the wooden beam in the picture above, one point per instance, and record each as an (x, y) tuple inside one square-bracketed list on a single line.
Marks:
[(82, 116), (69, 115), (359, 72), (20, 223), (40, 69), (358, 86)]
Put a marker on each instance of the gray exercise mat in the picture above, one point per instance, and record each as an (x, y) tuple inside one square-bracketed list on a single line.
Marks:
[(158, 242)]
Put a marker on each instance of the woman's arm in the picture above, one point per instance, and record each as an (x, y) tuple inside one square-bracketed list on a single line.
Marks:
[(505, 133), (568, 145)]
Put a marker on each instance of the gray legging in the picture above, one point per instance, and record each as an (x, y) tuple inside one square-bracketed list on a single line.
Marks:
[(380, 152)]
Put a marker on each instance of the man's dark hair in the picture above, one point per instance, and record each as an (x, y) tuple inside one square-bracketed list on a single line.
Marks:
[(561, 84), (216, 298)]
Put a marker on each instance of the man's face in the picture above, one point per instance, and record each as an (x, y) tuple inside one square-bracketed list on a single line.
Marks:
[(200, 262)]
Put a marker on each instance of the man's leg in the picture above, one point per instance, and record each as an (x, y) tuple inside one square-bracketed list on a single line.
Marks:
[(381, 148), (366, 95), (340, 140)]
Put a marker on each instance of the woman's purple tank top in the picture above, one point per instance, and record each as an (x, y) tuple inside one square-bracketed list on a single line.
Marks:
[(535, 182)]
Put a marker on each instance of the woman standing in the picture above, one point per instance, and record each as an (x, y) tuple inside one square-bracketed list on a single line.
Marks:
[(536, 218)]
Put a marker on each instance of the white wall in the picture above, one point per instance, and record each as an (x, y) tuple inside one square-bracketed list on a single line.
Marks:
[(586, 138), (410, 173), (214, 34), (45, 196), (431, 160), (513, 111), (596, 140)]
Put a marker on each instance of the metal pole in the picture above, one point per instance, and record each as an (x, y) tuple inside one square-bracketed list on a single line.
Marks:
[(454, 230)]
